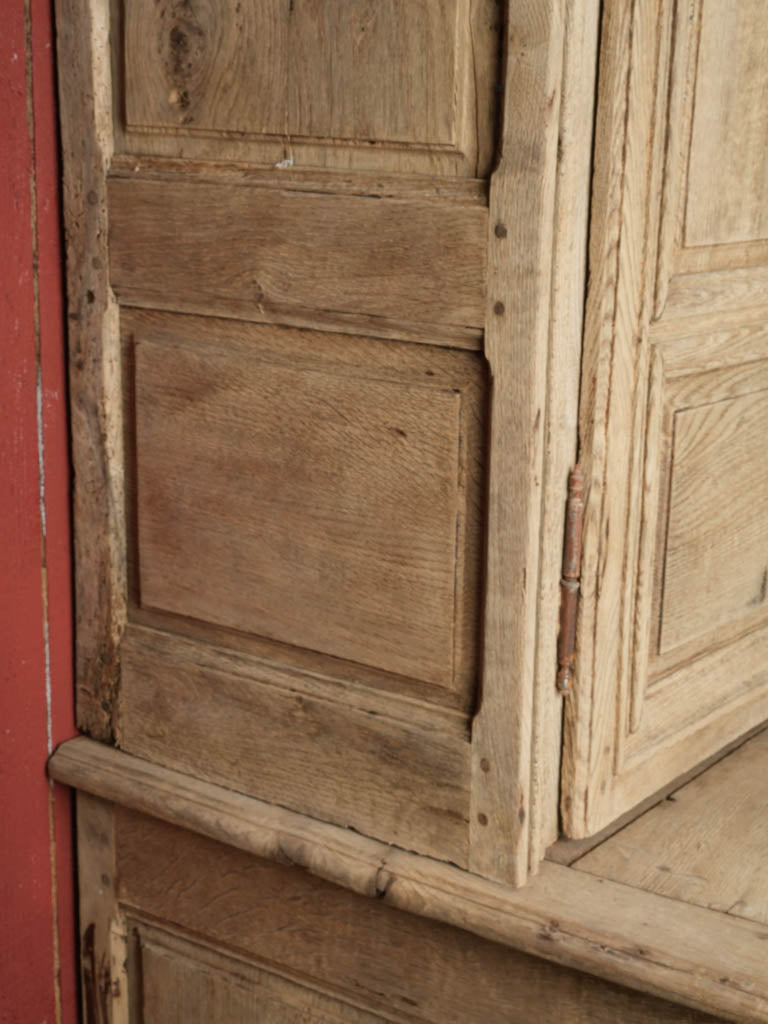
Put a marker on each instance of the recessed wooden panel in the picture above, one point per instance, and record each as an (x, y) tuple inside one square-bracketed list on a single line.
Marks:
[(246, 251), (728, 163), (716, 566), (314, 507), (183, 982), (409, 50), (384, 71)]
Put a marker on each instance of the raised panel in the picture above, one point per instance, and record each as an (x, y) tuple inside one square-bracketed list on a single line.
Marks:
[(728, 164), (330, 504), (304, 507), (319, 82), (716, 565)]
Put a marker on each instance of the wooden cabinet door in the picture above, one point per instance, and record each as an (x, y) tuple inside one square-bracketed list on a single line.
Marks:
[(298, 313), (673, 636)]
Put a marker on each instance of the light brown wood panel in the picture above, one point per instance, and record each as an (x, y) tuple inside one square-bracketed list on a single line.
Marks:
[(716, 567), (208, 66), (255, 233), (400, 965), (183, 982), (671, 648), (294, 82), (184, 707), (410, 50), (705, 844), (93, 348), (233, 249), (344, 529), (308, 507), (608, 929), (728, 176)]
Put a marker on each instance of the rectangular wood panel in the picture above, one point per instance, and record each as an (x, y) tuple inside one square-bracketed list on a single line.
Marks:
[(206, 66), (200, 712), (183, 982), (243, 251), (388, 84), (319, 491), (401, 965), (728, 165), (716, 565), (411, 51), (313, 509)]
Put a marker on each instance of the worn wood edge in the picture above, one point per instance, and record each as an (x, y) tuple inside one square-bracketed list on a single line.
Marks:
[(425, 187), (626, 936), (570, 851), (82, 30), (98, 909), (568, 287), (522, 211), (633, 53)]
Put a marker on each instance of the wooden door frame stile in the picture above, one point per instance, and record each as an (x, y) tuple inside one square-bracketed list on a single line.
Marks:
[(85, 113), (537, 225), (533, 346)]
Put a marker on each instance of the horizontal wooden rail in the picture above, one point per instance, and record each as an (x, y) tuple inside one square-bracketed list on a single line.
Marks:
[(697, 957)]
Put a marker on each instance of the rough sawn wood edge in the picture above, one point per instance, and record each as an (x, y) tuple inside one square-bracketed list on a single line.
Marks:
[(695, 957)]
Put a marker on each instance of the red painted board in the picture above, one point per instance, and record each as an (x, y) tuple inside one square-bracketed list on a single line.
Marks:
[(37, 938)]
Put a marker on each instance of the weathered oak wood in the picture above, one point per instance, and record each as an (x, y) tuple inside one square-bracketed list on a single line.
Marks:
[(671, 649), (227, 250), (522, 205), (94, 361), (201, 712), (705, 844), (401, 966), (709, 961)]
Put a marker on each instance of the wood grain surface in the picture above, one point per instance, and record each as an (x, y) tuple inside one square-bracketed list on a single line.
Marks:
[(704, 844), (703, 959)]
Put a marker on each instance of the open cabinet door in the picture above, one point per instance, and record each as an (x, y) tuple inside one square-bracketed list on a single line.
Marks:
[(310, 265), (672, 648)]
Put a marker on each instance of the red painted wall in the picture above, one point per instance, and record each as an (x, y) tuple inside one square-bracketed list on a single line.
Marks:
[(37, 920)]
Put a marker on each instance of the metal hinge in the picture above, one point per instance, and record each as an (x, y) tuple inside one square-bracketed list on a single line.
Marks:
[(570, 580)]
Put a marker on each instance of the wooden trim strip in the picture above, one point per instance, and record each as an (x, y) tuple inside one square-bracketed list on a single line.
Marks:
[(693, 956), (522, 211), (82, 30)]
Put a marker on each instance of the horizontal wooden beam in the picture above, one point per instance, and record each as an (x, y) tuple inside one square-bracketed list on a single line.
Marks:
[(693, 956), (241, 251)]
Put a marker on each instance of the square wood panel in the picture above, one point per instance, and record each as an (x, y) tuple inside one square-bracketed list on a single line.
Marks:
[(320, 507)]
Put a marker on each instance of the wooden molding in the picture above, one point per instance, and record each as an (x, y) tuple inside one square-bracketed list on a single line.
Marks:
[(690, 955)]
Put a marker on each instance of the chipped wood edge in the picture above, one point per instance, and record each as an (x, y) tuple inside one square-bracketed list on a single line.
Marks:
[(522, 207), (102, 1002), (82, 30), (672, 950)]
